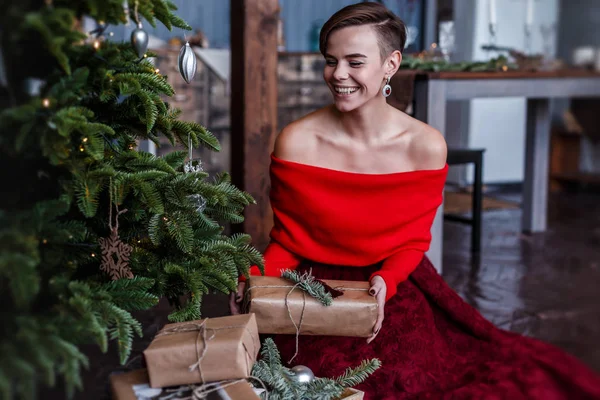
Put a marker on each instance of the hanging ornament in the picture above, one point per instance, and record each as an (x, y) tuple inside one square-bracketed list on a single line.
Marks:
[(302, 374), (193, 166), (187, 62), (115, 253), (198, 202), (139, 40)]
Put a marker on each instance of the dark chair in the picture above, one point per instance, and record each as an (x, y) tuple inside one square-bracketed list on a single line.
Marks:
[(475, 157)]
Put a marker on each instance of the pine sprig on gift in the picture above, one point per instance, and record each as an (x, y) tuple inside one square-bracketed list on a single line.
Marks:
[(282, 386), (356, 376), (308, 284)]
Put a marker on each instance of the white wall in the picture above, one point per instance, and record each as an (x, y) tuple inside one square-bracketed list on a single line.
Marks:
[(498, 125)]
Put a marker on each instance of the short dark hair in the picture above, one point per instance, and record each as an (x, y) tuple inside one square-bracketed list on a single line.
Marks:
[(390, 29)]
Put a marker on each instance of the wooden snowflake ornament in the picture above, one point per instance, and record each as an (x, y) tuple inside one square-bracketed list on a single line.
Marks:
[(115, 253), (115, 256)]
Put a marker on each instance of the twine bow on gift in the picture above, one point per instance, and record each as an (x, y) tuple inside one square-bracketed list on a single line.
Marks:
[(299, 325), (202, 341), (302, 282), (202, 392)]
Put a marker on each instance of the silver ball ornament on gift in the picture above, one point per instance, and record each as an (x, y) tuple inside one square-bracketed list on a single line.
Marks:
[(187, 63), (302, 374), (139, 40)]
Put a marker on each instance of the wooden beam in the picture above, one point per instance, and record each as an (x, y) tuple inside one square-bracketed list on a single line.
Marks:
[(254, 107)]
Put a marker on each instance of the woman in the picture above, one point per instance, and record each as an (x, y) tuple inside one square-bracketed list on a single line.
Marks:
[(355, 188)]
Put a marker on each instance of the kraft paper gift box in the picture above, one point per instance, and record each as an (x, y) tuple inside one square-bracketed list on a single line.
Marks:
[(212, 350), (352, 314), (352, 394), (135, 385)]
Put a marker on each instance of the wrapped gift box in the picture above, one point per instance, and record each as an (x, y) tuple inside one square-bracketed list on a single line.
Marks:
[(352, 314), (213, 349), (135, 385), (352, 394)]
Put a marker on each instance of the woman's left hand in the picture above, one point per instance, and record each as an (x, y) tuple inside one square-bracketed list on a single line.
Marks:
[(379, 290)]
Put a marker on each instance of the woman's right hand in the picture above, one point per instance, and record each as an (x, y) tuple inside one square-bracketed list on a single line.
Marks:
[(235, 299)]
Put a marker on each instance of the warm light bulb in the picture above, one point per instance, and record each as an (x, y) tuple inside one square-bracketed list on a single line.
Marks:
[(93, 254), (157, 70), (96, 44), (46, 103), (84, 140), (81, 148), (145, 55), (433, 45), (44, 241)]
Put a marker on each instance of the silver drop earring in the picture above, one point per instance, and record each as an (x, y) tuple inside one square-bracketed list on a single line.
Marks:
[(387, 89)]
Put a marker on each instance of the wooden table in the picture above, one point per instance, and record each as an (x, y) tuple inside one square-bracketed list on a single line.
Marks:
[(434, 90)]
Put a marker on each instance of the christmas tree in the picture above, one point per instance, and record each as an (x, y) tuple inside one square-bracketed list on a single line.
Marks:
[(92, 229)]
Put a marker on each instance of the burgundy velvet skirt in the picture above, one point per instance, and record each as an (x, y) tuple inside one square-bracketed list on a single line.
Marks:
[(433, 345)]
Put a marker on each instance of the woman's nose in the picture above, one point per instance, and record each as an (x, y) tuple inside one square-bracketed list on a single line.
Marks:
[(340, 73)]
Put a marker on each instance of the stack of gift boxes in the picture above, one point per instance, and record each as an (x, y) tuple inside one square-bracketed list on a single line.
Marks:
[(214, 357)]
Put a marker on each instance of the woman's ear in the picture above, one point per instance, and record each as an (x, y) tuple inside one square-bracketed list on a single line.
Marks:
[(393, 63)]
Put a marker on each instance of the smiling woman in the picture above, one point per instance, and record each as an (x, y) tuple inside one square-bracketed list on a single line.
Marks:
[(361, 54), (355, 187), (354, 70)]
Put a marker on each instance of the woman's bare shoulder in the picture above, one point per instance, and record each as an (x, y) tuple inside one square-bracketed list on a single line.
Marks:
[(426, 145), (299, 138)]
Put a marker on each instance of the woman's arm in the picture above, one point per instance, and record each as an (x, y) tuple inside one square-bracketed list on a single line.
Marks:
[(428, 151), (396, 269)]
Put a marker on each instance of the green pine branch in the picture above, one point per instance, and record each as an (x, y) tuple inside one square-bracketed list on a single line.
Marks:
[(282, 385), (307, 283), (355, 376), (416, 63), (189, 312), (131, 294)]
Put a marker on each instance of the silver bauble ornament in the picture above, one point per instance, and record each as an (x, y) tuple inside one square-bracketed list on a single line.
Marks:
[(302, 374), (198, 202), (193, 165), (187, 63), (139, 40)]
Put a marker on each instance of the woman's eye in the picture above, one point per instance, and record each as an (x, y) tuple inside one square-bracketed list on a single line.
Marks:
[(331, 63), (355, 64)]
